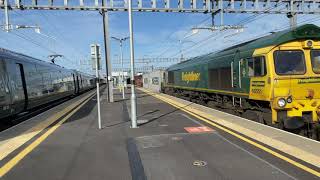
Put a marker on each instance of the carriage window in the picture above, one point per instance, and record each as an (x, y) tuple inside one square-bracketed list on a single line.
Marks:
[(315, 60), (289, 62), (257, 66)]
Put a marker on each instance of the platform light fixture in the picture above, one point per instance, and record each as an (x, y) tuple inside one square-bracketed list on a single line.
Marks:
[(121, 40)]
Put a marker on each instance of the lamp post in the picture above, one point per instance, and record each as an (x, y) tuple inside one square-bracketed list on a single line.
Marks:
[(121, 40), (6, 14), (134, 123)]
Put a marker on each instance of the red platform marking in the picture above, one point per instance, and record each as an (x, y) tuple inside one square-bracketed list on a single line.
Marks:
[(200, 129)]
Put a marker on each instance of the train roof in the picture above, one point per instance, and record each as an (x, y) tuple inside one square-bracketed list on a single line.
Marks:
[(307, 31), (26, 58), (23, 57)]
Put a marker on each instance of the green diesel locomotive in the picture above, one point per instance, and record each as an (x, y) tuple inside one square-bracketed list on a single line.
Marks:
[(274, 79)]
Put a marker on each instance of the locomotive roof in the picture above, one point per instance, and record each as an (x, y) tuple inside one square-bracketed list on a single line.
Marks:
[(307, 31)]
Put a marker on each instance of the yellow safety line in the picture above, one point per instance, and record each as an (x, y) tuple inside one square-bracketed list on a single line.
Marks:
[(14, 161), (14, 143), (295, 163)]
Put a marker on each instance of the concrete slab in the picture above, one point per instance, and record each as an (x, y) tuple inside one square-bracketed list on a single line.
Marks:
[(297, 146), (175, 156)]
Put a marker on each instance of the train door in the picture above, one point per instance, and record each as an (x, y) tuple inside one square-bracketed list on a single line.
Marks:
[(20, 94), (5, 98), (237, 78), (78, 83), (246, 73), (75, 84), (235, 68), (81, 82)]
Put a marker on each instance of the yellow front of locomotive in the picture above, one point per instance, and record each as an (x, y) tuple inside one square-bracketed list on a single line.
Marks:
[(295, 82)]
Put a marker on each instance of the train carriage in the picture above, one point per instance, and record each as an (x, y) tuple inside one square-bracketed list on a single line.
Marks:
[(274, 79), (26, 83)]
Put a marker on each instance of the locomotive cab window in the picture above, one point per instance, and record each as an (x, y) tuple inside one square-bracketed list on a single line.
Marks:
[(315, 60), (257, 66), (289, 62)]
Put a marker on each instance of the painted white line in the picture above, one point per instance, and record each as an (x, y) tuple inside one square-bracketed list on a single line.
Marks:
[(237, 146), (216, 122), (193, 120), (159, 135), (227, 114), (257, 157)]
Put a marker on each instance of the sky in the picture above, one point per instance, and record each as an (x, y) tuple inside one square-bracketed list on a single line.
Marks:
[(156, 34)]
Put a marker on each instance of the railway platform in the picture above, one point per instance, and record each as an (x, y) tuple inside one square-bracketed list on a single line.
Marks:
[(176, 140)]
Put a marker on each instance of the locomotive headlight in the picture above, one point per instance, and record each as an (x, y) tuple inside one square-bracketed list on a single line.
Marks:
[(282, 102), (307, 44)]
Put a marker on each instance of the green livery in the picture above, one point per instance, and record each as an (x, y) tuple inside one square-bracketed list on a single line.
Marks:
[(272, 80), (226, 70)]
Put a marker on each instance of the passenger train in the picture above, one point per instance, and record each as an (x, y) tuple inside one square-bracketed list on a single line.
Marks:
[(274, 79), (26, 83)]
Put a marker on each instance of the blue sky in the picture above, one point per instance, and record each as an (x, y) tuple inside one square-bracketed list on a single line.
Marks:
[(70, 33)]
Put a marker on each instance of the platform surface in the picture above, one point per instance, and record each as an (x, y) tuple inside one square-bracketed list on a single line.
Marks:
[(297, 146), (170, 144)]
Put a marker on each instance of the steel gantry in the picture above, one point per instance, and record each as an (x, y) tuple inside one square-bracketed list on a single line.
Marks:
[(192, 6)]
